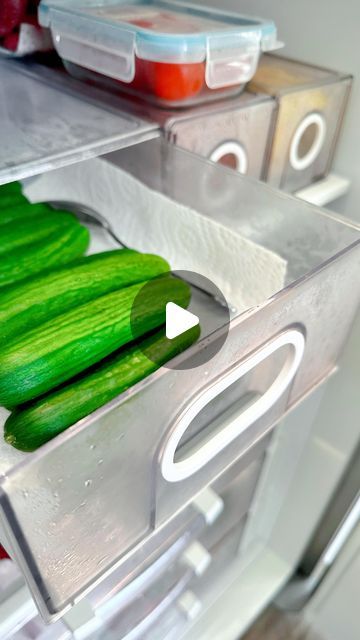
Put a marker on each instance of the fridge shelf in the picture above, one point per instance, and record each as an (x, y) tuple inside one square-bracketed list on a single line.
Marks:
[(46, 124)]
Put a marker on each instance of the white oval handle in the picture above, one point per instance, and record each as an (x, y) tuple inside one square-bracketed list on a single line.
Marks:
[(175, 471), (299, 163), (234, 149)]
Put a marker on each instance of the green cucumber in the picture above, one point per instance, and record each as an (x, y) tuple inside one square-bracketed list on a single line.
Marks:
[(10, 189), (53, 353), (32, 426), (28, 304), (26, 231), (11, 196), (16, 211), (60, 248), (11, 208)]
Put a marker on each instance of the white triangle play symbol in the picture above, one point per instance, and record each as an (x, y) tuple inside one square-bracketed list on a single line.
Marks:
[(178, 320)]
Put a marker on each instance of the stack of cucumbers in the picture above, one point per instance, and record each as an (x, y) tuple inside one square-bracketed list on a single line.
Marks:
[(34, 237), (68, 343)]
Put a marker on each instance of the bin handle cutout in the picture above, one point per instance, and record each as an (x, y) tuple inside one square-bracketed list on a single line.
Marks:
[(176, 471), (299, 163), (235, 150)]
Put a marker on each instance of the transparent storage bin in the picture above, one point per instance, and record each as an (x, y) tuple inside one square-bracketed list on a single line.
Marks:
[(311, 107), (235, 132), (171, 53), (66, 538)]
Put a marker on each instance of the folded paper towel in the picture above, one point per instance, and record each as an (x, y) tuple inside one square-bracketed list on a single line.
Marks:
[(246, 273)]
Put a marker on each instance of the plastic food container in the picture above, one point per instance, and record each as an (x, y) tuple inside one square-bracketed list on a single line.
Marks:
[(170, 53)]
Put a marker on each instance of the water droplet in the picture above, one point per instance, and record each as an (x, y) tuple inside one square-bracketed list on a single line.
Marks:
[(100, 461), (25, 493), (56, 495), (88, 483), (92, 446)]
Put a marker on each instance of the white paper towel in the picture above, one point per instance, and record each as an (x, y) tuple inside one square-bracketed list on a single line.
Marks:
[(246, 273)]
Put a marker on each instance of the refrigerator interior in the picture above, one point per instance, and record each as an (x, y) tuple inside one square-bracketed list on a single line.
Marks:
[(321, 432), (326, 34)]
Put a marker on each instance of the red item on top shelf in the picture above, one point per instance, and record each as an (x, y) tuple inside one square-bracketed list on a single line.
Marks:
[(12, 13), (170, 81), (11, 41), (3, 554)]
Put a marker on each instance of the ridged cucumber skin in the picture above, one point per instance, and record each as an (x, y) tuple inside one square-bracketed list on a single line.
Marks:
[(11, 208), (30, 427), (30, 303), (53, 353), (10, 189), (18, 210), (28, 230), (60, 248), (11, 195)]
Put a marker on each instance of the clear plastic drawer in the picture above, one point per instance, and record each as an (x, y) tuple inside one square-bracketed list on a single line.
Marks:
[(194, 423)]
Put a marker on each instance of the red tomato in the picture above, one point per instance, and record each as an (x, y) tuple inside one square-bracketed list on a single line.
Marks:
[(11, 15), (140, 81), (174, 82)]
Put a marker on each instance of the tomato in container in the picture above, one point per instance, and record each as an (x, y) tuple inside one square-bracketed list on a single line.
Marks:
[(174, 82), (173, 54), (169, 82)]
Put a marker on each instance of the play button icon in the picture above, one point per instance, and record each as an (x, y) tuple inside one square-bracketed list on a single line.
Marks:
[(178, 320), (189, 317)]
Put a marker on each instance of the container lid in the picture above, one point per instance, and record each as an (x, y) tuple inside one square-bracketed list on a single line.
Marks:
[(45, 125), (107, 35)]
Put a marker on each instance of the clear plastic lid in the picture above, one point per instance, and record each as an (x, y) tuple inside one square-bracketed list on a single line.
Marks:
[(107, 36)]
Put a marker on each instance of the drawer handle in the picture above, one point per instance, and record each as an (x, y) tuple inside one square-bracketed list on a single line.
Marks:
[(175, 471), (299, 161), (231, 150)]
